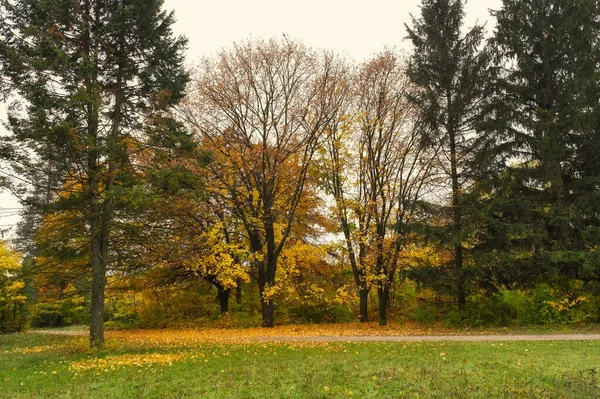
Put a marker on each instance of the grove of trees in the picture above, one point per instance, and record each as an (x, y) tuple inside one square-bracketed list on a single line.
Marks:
[(456, 182)]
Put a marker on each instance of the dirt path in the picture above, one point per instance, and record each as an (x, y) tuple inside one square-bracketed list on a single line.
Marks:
[(393, 338)]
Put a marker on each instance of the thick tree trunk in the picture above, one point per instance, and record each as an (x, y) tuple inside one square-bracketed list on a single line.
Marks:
[(383, 295), (265, 280), (364, 305), (266, 275), (267, 307), (223, 295), (268, 310)]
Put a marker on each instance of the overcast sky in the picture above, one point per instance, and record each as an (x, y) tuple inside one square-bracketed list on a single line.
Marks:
[(358, 30)]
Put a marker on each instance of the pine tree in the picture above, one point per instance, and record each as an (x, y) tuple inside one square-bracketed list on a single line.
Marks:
[(451, 75), (93, 78)]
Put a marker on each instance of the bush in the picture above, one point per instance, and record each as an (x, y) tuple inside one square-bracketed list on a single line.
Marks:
[(486, 311), (320, 313), (541, 305), (424, 315), (454, 318)]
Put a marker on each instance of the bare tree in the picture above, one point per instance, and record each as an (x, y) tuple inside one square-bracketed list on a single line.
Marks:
[(261, 109)]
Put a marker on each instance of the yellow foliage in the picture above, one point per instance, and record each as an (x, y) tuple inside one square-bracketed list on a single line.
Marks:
[(220, 260), (566, 303), (11, 295), (270, 290), (416, 255), (345, 295), (304, 276), (15, 286), (9, 260)]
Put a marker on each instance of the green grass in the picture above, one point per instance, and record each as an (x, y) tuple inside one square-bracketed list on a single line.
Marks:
[(41, 366)]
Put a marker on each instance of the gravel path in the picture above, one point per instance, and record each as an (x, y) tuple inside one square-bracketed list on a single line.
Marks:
[(395, 338), (437, 338), (59, 332)]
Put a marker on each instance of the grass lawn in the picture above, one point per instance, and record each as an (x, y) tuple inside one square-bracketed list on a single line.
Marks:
[(174, 364)]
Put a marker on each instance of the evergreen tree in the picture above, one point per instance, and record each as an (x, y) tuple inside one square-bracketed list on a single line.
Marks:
[(544, 208), (93, 78), (451, 75)]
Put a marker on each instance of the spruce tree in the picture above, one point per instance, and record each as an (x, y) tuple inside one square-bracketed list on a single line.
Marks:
[(451, 74), (91, 80), (545, 201)]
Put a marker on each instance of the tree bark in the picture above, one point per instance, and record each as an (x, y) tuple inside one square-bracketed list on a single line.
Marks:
[(460, 278), (97, 246), (98, 285), (268, 309), (383, 295), (265, 280), (269, 268), (223, 295), (238, 292), (456, 211), (364, 304)]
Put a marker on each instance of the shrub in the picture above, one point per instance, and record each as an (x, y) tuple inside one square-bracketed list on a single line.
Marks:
[(534, 307), (487, 311), (320, 313), (424, 315), (541, 305)]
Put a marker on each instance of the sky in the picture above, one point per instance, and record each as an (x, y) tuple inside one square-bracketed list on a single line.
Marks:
[(355, 29)]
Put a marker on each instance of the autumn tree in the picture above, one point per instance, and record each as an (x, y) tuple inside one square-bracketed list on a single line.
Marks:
[(451, 75), (262, 108), (377, 171), (193, 239), (90, 77), (12, 298)]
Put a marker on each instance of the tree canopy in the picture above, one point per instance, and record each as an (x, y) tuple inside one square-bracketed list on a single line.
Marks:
[(458, 180)]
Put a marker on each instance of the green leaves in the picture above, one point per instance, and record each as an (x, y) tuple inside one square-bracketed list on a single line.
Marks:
[(551, 53)]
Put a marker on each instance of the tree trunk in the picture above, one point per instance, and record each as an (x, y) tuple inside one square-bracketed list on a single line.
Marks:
[(364, 304), (460, 278), (267, 312), (98, 247), (383, 295), (238, 292), (98, 285), (223, 295), (456, 213), (266, 304), (268, 268)]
